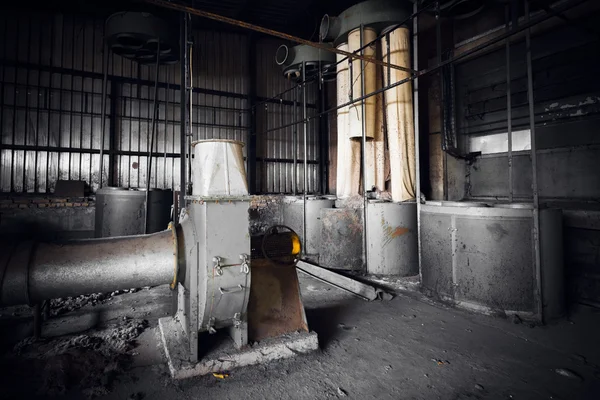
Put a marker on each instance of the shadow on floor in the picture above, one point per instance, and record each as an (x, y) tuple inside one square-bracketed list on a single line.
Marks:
[(326, 321)]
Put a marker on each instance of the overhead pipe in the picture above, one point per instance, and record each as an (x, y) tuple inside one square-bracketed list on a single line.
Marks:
[(33, 272), (256, 28)]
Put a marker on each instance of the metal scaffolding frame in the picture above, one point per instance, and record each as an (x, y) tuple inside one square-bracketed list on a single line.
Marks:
[(415, 75)]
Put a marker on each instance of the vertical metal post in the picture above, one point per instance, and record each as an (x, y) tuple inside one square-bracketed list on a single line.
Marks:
[(295, 141), (251, 152), (304, 153), (182, 116), (151, 141), (322, 134), (536, 204), (167, 91), (363, 151), (438, 42), (416, 133), (112, 130), (509, 110), (190, 92)]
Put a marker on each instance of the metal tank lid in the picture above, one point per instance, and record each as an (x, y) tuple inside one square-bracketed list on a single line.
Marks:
[(218, 141), (464, 204), (528, 206)]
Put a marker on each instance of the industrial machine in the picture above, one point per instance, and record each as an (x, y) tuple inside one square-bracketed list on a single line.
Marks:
[(223, 278)]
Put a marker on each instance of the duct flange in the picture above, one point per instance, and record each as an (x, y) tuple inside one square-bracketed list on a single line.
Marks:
[(376, 14), (291, 59), (139, 36)]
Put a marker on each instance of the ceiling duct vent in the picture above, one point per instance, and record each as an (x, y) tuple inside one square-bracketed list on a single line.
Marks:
[(140, 36), (291, 59)]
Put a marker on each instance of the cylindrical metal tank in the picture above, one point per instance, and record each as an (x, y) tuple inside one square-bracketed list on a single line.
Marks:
[(482, 258), (399, 115), (392, 238), (369, 70), (218, 169), (121, 212), (293, 209)]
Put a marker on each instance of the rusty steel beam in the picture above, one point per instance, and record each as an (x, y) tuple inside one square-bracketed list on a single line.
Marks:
[(270, 32)]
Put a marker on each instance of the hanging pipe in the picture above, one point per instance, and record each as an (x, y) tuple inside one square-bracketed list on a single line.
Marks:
[(271, 32), (32, 272)]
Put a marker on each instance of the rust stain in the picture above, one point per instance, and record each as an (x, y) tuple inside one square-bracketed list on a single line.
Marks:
[(391, 233), (399, 231)]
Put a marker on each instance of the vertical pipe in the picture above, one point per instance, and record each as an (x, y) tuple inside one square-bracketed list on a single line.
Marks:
[(417, 136), (536, 204), (295, 142), (151, 141), (363, 152), (182, 115), (509, 110), (103, 105), (304, 152)]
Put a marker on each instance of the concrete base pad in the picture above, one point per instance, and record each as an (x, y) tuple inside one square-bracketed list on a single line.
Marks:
[(225, 357)]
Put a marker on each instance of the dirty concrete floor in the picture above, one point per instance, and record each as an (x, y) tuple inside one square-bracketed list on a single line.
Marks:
[(407, 348)]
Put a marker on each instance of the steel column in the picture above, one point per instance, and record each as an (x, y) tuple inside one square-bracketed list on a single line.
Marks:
[(295, 143), (251, 152), (536, 203), (509, 110), (183, 34), (103, 106), (415, 60), (363, 154), (151, 141), (304, 152)]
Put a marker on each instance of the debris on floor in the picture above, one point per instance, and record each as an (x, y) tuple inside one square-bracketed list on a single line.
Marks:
[(63, 306), (567, 373), (89, 362)]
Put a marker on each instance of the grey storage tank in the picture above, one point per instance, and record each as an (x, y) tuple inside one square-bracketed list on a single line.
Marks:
[(121, 211)]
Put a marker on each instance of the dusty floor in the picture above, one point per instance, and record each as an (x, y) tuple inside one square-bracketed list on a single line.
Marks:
[(406, 348)]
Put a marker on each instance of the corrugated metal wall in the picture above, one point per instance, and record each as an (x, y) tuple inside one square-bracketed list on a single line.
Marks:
[(50, 110), (276, 147)]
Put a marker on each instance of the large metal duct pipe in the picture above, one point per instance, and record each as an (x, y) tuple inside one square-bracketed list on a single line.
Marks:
[(31, 272), (376, 14), (399, 115), (291, 59)]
